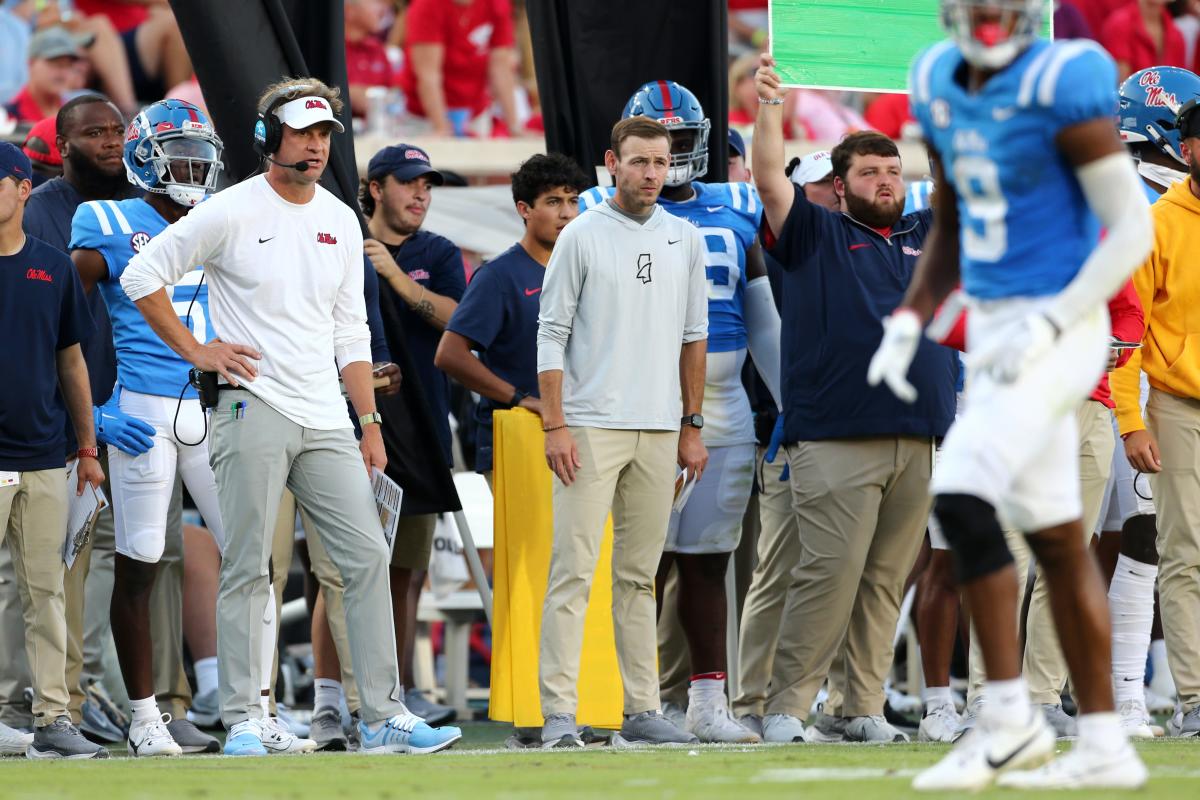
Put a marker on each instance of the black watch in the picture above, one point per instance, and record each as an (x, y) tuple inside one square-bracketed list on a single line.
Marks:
[(517, 397), (695, 420)]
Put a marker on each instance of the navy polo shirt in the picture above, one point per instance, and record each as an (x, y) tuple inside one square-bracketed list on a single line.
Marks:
[(841, 278), (42, 311), (436, 263), (499, 315)]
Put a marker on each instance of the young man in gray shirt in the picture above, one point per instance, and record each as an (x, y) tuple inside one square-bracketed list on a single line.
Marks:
[(624, 311)]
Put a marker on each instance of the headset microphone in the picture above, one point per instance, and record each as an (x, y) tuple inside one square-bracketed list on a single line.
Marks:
[(299, 166)]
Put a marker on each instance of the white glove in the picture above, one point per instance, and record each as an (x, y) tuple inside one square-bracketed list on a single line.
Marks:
[(1006, 359), (901, 335)]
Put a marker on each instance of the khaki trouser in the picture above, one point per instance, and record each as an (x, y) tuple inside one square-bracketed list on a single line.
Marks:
[(1175, 423), (762, 612), (1045, 666), (976, 673), (632, 473), (14, 666), (863, 505), (282, 547), (33, 524), (254, 457)]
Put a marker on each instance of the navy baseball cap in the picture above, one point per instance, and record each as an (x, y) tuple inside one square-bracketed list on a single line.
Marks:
[(14, 162), (737, 143), (405, 161)]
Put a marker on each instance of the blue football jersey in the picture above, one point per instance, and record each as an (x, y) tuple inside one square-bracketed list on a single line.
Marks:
[(1026, 228), (918, 196), (117, 230), (728, 215)]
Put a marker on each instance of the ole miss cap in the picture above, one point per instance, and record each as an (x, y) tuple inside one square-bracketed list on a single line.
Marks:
[(14, 162), (405, 161), (304, 112), (736, 143), (813, 168)]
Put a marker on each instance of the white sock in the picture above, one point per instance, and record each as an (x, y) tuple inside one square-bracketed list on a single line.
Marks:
[(1131, 603), (1008, 701), (706, 691), (206, 674), (145, 710), (1162, 683), (264, 702), (937, 696), (270, 642), (327, 692), (1101, 731)]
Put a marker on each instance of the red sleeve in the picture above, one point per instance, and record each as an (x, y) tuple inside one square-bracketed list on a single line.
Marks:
[(1128, 321), (423, 23), (502, 33), (1114, 37), (957, 337)]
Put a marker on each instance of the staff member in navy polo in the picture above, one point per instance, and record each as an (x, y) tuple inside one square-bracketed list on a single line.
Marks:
[(424, 274), (498, 315), (860, 459), (42, 320)]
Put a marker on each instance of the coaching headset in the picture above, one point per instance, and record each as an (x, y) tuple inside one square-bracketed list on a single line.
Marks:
[(268, 130)]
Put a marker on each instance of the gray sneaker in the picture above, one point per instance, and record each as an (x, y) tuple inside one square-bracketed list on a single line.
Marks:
[(1184, 723), (650, 728), (205, 710), (61, 739), (752, 722), (326, 730), (1062, 722), (190, 738), (95, 725), (873, 729), (827, 729), (434, 714), (560, 731), (676, 713)]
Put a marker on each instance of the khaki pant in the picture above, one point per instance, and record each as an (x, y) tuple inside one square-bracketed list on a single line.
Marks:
[(282, 547), (33, 524), (14, 666), (632, 473), (863, 505), (1175, 422), (1045, 666), (762, 612), (254, 458), (976, 673)]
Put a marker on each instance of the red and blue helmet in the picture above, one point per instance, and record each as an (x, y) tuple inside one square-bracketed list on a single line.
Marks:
[(1151, 100), (681, 113), (172, 149), (993, 43)]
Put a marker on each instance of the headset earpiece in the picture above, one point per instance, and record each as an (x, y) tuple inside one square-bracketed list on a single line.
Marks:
[(268, 130)]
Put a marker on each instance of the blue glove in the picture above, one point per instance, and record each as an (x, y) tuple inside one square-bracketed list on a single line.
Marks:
[(774, 445), (116, 428)]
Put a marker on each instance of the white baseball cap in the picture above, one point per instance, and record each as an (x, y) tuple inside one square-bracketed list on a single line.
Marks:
[(813, 168), (302, 112)]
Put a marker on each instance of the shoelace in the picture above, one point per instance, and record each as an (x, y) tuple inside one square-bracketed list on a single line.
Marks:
[(156, 730), (404, 723)]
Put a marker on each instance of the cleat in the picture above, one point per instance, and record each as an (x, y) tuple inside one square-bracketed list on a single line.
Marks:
[(940, 724), (1083, 768), (278, 740), (783, 728), (713, 722), (987, 751), (405, 733), (151, 738), (1135, 720)]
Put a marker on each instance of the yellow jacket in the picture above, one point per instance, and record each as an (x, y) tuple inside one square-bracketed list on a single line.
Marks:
[(1168, 285)]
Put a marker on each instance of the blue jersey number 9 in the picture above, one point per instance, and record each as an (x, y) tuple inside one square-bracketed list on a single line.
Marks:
[(721, 263), (984, 227)]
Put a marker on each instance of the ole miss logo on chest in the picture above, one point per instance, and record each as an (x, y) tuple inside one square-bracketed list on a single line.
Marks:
[(326, 238)]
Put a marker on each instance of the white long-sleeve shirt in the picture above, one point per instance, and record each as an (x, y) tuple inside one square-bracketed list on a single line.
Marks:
[(619, 301), (285, 279)]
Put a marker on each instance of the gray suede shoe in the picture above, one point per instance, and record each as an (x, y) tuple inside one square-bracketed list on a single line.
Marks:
[(651, 728)]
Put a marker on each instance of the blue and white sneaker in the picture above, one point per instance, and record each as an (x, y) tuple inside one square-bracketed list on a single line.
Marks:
[(405, 733), (245, 739)]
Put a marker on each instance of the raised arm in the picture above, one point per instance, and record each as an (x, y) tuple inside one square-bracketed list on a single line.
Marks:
[(766, 149)]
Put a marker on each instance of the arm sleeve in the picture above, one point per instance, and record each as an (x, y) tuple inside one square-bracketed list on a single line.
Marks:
[(480, 315), (75, 321), (803, 231), (763, 334), (1128, 322), (560, 297), (502, 33), (1126, 382), (379, 347), (351, 336), (176, 251), (423, 22), (695, 322)]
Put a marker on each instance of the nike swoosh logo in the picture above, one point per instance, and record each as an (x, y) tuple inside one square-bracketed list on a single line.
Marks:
[(677, 241), (1002, 114), (532, 292), (858, 246), (713, 209), (1000, 764), (262, 241)]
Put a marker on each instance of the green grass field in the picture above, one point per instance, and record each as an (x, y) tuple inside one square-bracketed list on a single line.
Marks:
[(477, 770)]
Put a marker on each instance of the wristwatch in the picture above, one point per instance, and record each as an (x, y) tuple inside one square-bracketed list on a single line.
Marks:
[(695, 420), (88, 452), (517, 397), (368, 419)]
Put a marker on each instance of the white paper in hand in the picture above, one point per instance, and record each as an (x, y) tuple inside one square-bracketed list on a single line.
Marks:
[(683, 489), (388, 497), (82, 511)]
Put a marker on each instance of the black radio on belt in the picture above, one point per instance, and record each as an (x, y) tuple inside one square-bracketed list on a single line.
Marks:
[(206, 386)]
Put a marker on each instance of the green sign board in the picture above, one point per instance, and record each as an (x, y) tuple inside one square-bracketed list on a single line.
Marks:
[(864, 45)]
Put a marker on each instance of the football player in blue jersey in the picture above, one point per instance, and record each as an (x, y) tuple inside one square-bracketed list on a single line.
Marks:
[(174, 155), (1016, 125), (741, 317)]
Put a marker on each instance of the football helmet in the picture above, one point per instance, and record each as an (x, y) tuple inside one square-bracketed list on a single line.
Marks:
[(993, 44), (172, 149), (680, 112), (1151, 100)]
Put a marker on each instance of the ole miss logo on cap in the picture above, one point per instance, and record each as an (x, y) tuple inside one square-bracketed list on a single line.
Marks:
[(316, 104), (415, 154)]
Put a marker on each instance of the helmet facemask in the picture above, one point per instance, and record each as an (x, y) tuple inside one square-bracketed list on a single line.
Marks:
[(689, 152), (992, 40)]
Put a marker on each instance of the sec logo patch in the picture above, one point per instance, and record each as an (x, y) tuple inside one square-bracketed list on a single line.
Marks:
[(139, 240)]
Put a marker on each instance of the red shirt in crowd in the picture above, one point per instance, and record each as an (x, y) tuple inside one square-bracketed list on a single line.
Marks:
[(1125, 37), (1096, 12), (24, 108), (468, 33), (367, 63), (124, 16), (888, 114)]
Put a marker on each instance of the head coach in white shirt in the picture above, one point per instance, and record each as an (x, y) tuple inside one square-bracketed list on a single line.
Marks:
[(284, 260), (622, 334)]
